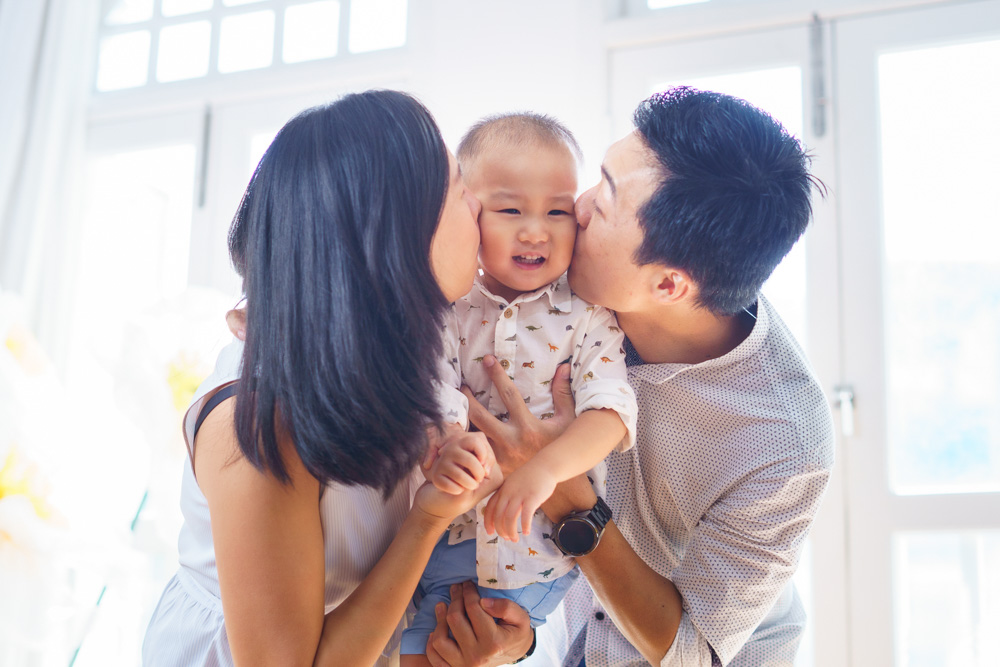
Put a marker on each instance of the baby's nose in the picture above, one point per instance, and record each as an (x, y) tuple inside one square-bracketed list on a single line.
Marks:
[(533, 231)]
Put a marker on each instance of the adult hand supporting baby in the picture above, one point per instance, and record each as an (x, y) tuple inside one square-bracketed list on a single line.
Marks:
[(486, 631), (520, 438)]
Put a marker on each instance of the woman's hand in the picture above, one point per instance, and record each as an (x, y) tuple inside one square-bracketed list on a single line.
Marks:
[(515, 442)]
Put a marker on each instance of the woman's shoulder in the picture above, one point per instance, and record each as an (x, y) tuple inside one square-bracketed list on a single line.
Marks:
[(228, 368)]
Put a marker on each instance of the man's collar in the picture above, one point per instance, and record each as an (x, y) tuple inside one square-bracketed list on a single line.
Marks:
[(658, 373)]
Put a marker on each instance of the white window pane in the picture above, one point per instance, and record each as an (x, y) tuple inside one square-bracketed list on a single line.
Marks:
[(178, 7), (942, 267), (246, 41), (142, 202), (123, 61), (947, 599), (258, 145), (777, 91), (129, 11), (135, 348), (311, 31), (661, 4), (183, 51), (377, 24), (236, 3)]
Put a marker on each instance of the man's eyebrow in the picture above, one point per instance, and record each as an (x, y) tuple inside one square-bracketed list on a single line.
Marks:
[(611, 182)]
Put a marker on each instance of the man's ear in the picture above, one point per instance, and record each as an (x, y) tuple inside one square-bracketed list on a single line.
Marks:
[(674, 287)]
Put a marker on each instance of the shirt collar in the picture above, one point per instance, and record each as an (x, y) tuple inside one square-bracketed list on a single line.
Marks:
[(751, 345), (558, 293)]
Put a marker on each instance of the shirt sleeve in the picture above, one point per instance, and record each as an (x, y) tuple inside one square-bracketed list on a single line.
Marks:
[(599, 377), (690, 648), (453, 403), (742, 553)]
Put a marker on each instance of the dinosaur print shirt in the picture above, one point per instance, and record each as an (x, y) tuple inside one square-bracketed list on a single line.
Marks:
[(530, 337)]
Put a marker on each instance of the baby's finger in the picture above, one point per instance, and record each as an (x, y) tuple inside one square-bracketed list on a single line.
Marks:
[(510, 516), (443, 483), (462, 477), (468, 461), (499, 511), (429, 457), (527, 513), (488, 514), (481, 449)]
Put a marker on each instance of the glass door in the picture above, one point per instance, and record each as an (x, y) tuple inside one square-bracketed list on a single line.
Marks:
[(918, 100), (777, 70)]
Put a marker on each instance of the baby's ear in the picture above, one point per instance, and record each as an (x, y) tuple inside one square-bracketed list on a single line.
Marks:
[(236, 319)]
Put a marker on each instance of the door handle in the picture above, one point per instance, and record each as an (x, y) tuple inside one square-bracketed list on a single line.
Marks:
[(844, 402)]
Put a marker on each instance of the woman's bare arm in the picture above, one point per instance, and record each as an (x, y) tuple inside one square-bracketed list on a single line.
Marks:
[(269, 552)]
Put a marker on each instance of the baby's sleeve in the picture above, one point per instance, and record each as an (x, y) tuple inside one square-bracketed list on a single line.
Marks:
[(599, 377), (453, 403)]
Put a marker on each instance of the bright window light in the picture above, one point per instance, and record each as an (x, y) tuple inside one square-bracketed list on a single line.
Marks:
[(311, 31), (939, 212), (246, 41), (237, 3), (377, 24), (123, 61), (183, 51), (178, 7), (663, 4), (122, 12)]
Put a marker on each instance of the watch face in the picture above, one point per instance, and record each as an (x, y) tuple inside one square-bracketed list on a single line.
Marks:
[(577, 537)]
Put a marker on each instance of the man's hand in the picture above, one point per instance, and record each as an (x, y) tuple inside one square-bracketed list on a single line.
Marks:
[(516, 441), (521, 495), (479, 640)]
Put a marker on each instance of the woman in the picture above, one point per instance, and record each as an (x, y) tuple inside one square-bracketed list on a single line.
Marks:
[(300, 544)]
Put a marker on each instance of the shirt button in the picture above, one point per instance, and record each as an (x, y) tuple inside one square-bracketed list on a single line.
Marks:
[(599, 616), (504, 364), (508, 312)]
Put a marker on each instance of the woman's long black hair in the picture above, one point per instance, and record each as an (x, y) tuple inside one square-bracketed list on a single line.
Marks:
[(333, 241)]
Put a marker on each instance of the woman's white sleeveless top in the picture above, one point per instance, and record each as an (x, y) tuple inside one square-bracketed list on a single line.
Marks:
[(187, 626)]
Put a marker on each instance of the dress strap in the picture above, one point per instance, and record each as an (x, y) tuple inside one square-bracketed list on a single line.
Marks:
[(226, 392)]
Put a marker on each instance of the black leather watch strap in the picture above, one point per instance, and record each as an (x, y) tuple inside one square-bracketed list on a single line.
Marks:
[(531, 649)]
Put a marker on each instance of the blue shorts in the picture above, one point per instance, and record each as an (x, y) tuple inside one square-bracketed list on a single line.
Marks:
[(455, 563)]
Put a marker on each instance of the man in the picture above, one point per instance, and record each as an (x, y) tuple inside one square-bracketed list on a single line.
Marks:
[(735, 438)]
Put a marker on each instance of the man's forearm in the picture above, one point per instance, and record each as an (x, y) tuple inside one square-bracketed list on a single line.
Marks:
[(645, 606)]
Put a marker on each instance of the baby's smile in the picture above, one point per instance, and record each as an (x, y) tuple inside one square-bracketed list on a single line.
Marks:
[(529, 260)]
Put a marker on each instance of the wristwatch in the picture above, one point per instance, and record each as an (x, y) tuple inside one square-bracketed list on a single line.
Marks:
[(580, 532)]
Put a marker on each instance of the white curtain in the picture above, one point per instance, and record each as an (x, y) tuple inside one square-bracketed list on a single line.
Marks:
[(46, 69)]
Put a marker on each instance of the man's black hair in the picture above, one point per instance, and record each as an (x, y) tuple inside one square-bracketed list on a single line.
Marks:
[(333, 240), (734, 195)]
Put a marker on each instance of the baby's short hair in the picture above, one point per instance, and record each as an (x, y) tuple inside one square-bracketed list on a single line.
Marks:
[(518, 128)]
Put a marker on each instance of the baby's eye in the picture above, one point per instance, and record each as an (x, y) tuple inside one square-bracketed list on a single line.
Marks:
[(510, 211), (558, 212)]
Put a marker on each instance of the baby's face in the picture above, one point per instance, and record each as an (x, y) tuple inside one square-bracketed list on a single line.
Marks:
[(527, 223)]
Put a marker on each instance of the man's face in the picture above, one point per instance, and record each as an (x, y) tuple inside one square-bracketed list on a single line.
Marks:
[(603, 271)]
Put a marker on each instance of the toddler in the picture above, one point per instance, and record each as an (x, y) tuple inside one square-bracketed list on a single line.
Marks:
[(522, 167)]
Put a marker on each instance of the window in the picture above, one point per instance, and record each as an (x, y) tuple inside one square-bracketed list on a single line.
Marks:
[(143, 43)]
